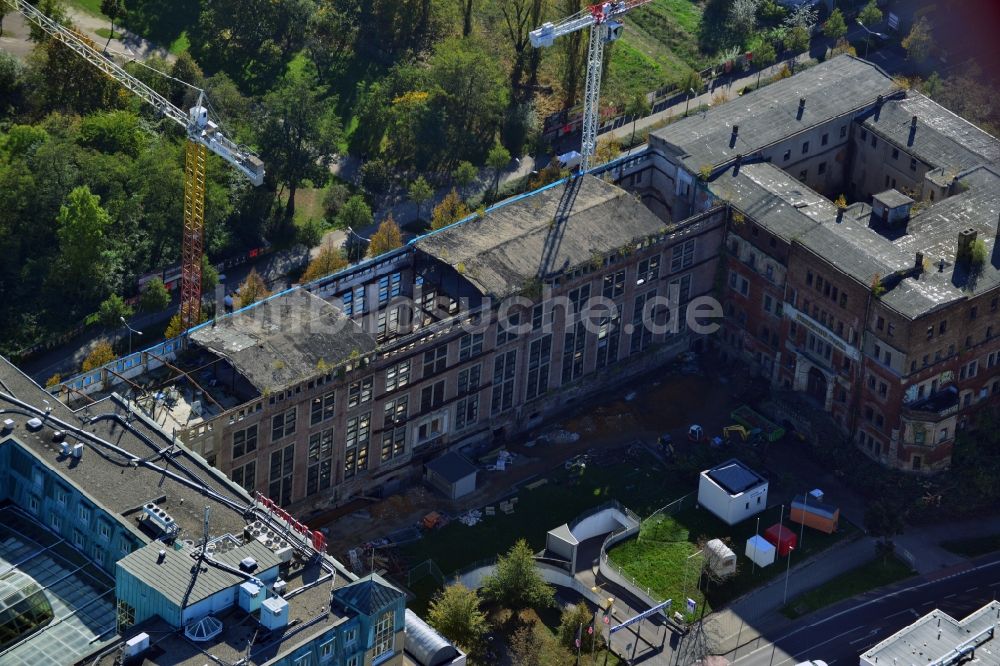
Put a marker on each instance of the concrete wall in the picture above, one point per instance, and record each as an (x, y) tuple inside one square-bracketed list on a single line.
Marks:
[(604, 522)]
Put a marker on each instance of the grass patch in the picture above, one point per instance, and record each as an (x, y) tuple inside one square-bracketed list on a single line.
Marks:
[(973, 547), (642, 486), (103, 32), (662, 566), (868, 576), (309, 204), (181, 44), (89, 6)]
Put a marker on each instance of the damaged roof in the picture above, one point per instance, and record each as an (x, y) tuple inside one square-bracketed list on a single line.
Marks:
[(771, 114), (285, 340), (553, 230)]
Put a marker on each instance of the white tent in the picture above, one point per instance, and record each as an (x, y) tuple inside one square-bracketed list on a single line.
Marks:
[(760, 550)]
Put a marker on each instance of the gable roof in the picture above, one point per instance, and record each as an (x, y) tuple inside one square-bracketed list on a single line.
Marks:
[(369, 595), (555, 229)]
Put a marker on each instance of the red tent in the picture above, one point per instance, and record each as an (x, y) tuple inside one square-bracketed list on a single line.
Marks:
[(781, 538)]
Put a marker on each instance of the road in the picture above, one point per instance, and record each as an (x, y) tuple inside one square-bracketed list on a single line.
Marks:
[(840, 634)]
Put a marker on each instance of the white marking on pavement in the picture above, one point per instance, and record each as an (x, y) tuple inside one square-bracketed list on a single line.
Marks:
[(949, 596), (972, 589)]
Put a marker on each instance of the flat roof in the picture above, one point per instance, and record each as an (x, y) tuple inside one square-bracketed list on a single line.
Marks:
[(452, 466), (734, 477), (770, 114), (284, 340), (892, 198), (550, 231), (937, 635)]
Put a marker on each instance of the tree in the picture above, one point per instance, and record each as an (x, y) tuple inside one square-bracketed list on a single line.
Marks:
[(420, 192), (100, 354), (450, 210), (454, 612), (155, 297), (497, 159), (764, 57), (112, 310), (329, 260), (388, 237), (82, 228), (743, 17), (871, 14), (797, 39), (883, 520), (55, 10), (803, 16), (516, 583), (638, 106), (310, 233), (920, 40), (355, 214), (573, 618), (691, 81), (334, 198), (113, 9), (465, 173), (252, 289), (209, 275), (835, 26), (300, 131)]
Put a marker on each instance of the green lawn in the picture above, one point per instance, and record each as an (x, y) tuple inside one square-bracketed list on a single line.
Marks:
[(642, 486), (181, 44), (89, 6), (661, 564), (868, 576), (973, 547)]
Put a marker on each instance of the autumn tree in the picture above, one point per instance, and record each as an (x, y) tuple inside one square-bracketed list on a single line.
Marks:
[(329, 260), (450, 210), (525, 646), (252, 289), (420, 192), (388, 237), (454, 612), (920, 40), (516, 582), (100, 354)]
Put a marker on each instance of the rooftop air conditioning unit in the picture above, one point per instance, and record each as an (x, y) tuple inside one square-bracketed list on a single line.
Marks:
[(160, 518), (78, 450), (279, 587), (136, 645), (8, 425), (66, 448), (34, 424)]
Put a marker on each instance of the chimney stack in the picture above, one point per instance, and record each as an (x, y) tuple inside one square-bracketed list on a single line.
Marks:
[(802, 108), (913, 131), (738, 163), (966, 237), (735, 134), (918, 264), (878, 106)]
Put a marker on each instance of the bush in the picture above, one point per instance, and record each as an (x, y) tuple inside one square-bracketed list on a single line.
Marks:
[(334, 198), (112, 310), (310, 233), (375, 176)]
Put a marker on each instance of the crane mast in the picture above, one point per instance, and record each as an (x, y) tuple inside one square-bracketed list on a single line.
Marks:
[(604, 28), (203, 135)]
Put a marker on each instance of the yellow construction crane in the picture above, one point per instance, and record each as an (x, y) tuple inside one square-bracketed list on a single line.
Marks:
[(203, 135)]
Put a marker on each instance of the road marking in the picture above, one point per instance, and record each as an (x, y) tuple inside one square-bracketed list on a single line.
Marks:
[(902, 612), (865, 638), (972, 589), (949, 596)]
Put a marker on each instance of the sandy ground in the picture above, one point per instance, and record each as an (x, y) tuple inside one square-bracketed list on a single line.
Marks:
[(664, 404)]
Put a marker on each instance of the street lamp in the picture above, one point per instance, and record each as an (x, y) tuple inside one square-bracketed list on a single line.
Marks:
[(788, 568), (868, 35), (130, 332), (688, 103)]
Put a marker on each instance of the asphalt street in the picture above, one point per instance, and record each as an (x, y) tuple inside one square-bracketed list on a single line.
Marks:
[(844, 631)]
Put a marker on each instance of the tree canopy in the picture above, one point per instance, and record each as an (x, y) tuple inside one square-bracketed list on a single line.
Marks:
[(455, 612), (516, 582)]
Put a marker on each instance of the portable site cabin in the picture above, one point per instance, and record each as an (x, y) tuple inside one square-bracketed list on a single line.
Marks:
[(721, 558), (732, 491), (810, 510), (452, 474), (760, 550), (782, 538)]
